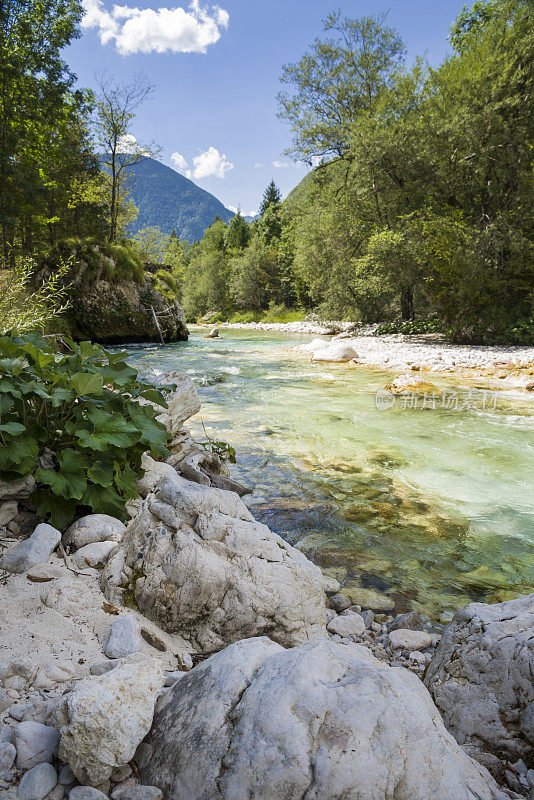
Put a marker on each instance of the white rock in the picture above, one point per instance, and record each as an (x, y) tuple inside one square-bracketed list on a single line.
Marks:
[(95, 554), (52, 672), (37, 782), (182, 404), (35, 744), (154, 471), (214, 574), (481, 677), (407, 639), (339, 351), (331, 585), (93, 528), (86, 793), (323, 721), (104, 719), (349, 625), (124, 637), (7, 757), (314, 345), (35, 550)]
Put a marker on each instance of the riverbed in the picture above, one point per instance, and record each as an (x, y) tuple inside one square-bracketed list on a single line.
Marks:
[(426, 500)]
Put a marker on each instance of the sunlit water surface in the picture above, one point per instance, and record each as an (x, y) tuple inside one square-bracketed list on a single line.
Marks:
[(432, 506)]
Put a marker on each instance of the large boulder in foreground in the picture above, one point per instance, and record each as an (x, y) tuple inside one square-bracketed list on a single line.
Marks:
[(323, 721), (197, 563), (104, 719), (481, 678)]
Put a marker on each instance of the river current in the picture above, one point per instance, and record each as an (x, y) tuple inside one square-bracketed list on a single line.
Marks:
[(429, 501)]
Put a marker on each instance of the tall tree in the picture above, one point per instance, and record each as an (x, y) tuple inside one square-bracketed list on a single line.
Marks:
[(116, 105), (36, 101), (337, 80), (271, 198)]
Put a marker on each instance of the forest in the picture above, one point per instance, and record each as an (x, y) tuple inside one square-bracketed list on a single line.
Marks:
[(418, 206)]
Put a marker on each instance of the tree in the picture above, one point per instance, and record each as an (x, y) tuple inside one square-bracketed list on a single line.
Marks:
[(336, 81), (238, 234), (271, 198), (41, 127), (119, 150)]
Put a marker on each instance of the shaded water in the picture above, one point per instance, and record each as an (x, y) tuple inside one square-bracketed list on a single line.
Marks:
[(433, 506)]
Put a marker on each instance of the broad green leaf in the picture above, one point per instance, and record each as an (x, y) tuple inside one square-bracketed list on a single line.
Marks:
[(59, 510), (69, 481), (102, 470), (19, 456), (13, 428), (87, 383)]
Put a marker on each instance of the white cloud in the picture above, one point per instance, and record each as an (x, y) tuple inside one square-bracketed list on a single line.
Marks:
[(280, 164), (179, 162), (144, 30), (128, 144), (257, 165), (210, 164), (232, 208)]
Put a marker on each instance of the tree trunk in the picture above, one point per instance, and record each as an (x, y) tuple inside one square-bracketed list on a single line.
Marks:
[(406, 300)]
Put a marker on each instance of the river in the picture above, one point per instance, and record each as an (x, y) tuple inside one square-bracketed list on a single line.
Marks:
[(432, 505)]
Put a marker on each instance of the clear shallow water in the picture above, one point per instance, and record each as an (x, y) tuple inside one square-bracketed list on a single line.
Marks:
[(432, 505)]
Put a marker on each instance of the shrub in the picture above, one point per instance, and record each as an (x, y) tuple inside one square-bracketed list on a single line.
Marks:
[(23, 308), (94, 260), (80, 402), (409, 326)]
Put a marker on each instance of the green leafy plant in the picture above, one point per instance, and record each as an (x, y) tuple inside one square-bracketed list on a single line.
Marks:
[(23, 307), (410, 326), (82, 403), (224, 450)]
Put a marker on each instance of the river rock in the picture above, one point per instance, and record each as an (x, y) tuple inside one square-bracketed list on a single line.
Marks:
[(93, 528), (153, 471), (182, 404), (104, 719), (17, 490), (35, 550), (411, 620), (124, 637), (35, 744), (8, 512), (406, 384), (314, 345), (338, 351), (481, 677), (368, 598), (349, 625), (37, 782), (86, 793), (209, 571), (406, 639), (7, 757), (323, 721), (95, 554)]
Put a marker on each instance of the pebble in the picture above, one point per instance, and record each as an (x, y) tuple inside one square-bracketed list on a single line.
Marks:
[(412, 621), (35, 744), (66, 776), (7, 757), (37, 782), (95, 554), (35, 550), (139, 793), (86, 793), (350, 625), (125, 786), (19, 710), (417, 657), (57, 793), (368, 617), (405, 639), (6, 732), (124, 637), (339, 603), (5, 700), (120, 774), (101, 667), (530, 778)]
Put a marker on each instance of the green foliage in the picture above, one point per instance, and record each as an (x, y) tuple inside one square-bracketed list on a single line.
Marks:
[(224, 450), (80, 402), (94, 260), (24, 307), (411, 326), (271, 198), (151, 244), (238, 234)]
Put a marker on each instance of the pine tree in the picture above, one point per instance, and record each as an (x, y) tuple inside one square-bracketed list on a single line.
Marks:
[(271, 197)]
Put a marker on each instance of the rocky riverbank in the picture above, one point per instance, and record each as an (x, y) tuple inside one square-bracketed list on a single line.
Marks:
[(193, 653)]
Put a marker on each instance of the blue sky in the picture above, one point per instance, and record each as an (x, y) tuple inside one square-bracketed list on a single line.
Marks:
[(219, 106)]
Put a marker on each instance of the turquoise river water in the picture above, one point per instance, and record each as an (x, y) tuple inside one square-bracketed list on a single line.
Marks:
[(432, 506)]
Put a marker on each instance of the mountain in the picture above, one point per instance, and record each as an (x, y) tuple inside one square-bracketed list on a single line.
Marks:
[(169, 200)]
